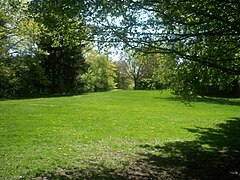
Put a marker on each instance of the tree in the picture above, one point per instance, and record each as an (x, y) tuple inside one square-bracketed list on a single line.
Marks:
[(122, 77), (18, 30), (17, 36), (189, 79), (197, 33), (62, 43), (141, 69), (62, 66), (203, 37), (203, 31), (100, 75), (30, 75)]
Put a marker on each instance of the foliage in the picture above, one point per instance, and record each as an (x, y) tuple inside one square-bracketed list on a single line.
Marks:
[(62, 66), (100, 75), (18, 31), (41, 47), (141, 68), (122, 77), (202, 34), (205, 32), (202, 37), (61, 45), (31, 77), (86, 82), (190, 79), (7, 80), (17, 28)]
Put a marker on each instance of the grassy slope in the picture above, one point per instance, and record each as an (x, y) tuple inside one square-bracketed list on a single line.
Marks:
[(55, 134)]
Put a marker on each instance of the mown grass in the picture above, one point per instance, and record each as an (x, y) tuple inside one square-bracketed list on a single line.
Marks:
[(117, 135)]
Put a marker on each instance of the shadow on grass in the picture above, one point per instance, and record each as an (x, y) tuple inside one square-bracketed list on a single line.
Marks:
[(94, 172), (223, 101), (38, 96), (215, 154), (210, 100)]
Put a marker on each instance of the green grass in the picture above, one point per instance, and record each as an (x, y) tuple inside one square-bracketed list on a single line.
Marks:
[(117, 134)]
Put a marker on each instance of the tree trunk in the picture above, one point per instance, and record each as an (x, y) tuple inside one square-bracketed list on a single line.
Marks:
[(135, 84)]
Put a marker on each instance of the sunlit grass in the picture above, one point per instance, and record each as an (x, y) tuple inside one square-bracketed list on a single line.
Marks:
[(52, 134)]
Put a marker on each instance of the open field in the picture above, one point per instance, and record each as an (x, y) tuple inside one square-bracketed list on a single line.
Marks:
[(119, 135)]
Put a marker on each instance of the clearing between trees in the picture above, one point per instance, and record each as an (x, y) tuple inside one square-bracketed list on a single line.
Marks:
[(119, 135)]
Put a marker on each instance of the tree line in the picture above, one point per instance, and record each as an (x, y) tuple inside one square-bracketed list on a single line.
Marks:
[(191, 47)]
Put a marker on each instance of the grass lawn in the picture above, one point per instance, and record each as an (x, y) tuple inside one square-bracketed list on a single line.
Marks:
[(119, 135)]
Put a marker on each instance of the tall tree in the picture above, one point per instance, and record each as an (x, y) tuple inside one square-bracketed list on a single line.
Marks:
[(63, 42)]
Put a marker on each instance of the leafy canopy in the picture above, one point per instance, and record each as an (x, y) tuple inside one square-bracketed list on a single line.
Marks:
[(203, 31)]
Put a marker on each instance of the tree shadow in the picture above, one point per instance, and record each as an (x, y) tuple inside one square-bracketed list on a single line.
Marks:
[(222, 101), (92, 172), (215, 154), (38, 96), (210, 100)]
